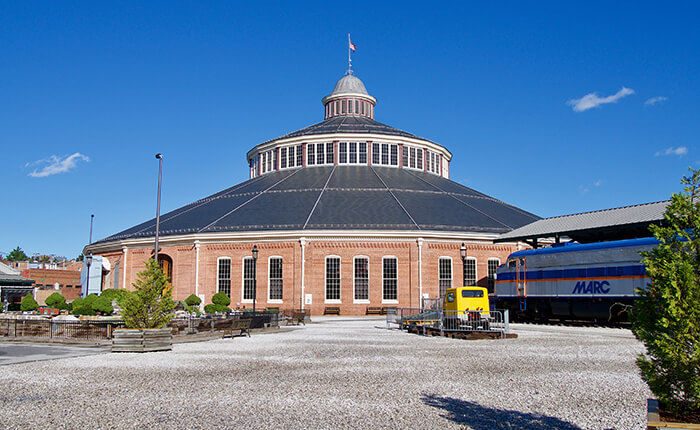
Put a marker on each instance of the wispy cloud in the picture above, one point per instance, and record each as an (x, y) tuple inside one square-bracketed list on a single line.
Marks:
[(585, 189), (680, 151), (54, 164), (592, 100), (654, 100)]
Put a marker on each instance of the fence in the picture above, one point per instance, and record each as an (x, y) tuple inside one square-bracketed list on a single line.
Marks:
[(462, 321), (79, 330), (223, 321)]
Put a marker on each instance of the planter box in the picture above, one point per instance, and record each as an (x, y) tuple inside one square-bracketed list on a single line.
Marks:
[(128, 340), (654, 421)]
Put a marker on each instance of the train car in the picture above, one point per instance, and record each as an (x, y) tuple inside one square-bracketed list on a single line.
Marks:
[(573, 281)]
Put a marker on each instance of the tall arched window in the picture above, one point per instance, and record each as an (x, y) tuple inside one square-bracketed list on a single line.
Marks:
[(166, 265)]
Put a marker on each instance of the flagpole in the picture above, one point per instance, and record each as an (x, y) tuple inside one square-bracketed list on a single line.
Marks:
[(349, 58)]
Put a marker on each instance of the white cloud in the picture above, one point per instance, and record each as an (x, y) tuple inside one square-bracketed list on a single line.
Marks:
[(56, 165), (592, 100), (680, 151), (654, 100), (585, 189)]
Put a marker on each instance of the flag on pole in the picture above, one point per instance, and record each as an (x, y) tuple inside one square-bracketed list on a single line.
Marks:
[(353, 47)]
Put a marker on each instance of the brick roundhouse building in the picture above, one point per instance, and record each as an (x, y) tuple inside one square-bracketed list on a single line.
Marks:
[(347, 213)]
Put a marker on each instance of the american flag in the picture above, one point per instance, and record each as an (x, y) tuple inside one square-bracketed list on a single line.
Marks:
[(353, 47)]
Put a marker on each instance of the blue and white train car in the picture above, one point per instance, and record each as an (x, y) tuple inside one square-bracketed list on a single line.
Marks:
[(573, 281)]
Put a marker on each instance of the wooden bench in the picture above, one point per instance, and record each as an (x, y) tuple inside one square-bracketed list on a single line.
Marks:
[(374, 310), (241, 325), (331, 310)]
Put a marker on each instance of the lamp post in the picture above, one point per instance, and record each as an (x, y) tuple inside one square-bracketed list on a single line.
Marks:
[(463, 253), (159, 156), (255, 274), (92, 217), (88, 261)]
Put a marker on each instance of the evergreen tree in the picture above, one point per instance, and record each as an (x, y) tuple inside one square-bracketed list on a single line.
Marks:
[(151, 305), (56, 300), (666, 316), (17, 255)]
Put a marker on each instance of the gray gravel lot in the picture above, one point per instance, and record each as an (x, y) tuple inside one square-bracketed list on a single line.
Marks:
[(342, 373)]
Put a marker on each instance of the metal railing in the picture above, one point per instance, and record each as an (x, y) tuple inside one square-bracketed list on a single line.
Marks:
[(496, 321), (48, 329)]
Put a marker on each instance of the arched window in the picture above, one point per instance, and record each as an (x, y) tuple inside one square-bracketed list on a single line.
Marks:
[(223, 276), (493, 264), (166, 265), (444, 274), (274, 279), (390, 280), (361, 280), (333, 279)]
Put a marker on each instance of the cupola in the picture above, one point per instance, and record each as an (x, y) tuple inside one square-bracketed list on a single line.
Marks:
[(349, 98)]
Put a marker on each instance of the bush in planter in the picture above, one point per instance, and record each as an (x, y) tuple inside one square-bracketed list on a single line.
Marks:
[(666, 316), (56, 300), (193, 303), (210, 308), (28, 303), (220, 302), (151, 304)]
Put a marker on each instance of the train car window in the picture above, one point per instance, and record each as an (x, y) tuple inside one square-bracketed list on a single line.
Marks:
[(511, 264), (450, 297), (472, 293)]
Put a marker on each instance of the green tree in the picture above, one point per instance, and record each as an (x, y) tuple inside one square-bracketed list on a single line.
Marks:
[(82, 306), (666, 316), (28, 303), (114, 294), (151, 305), (17, 255), (103, 305), (56, 300)]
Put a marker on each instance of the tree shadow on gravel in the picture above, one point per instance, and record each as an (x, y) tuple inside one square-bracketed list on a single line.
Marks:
[(478, 417)]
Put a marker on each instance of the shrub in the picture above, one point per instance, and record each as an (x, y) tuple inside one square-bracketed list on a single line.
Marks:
[(193, 300), (221, 298), (103, 305), (29, 304), (56, 300), (82, 306), (151, 305), (114, 294), (210, 308), (666, 316)]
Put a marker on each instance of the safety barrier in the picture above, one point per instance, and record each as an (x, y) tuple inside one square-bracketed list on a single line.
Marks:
[(496, 321), (87, 330)]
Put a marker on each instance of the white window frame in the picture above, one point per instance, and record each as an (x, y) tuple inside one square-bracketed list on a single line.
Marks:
[(243, 299), (354, 300), (476, 271), (218, 273), (452, 273), (488, 278), (269, 266), (340, 280), (391, 301)]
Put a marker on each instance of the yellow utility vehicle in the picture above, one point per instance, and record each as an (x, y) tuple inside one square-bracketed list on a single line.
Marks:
[(466, 306)]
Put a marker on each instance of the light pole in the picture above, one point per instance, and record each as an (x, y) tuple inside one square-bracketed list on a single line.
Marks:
[(255, 274), (88, 261), (463, 253), (92, 217), (159, 156)]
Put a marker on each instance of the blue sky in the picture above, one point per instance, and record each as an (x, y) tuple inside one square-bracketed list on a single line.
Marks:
[(555, 108)]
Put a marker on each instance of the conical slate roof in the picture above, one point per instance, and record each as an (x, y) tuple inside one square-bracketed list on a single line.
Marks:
[(348, 124), (340, 198)]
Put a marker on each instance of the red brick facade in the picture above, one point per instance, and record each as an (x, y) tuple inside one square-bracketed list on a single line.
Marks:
[(414, 279)]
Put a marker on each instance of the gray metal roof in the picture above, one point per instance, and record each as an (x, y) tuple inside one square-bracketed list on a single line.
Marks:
[(348, 124), (608, 224), (340, 197), (349, 84), (7, 279)]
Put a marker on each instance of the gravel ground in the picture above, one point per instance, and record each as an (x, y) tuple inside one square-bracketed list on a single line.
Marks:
[(342, 373)]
